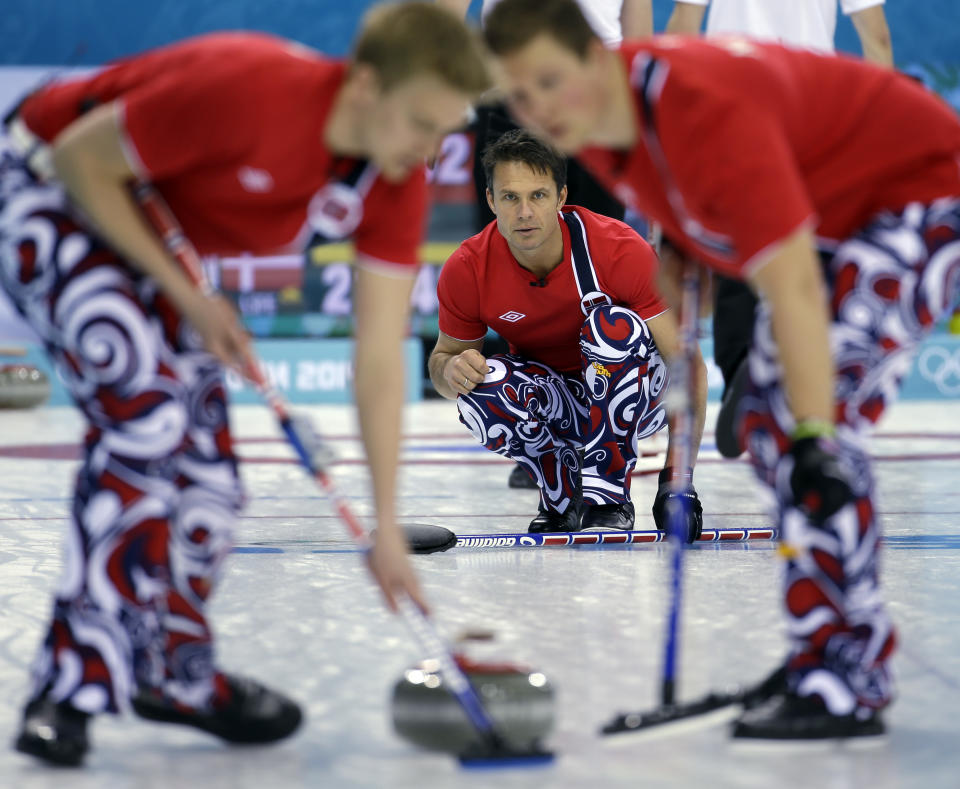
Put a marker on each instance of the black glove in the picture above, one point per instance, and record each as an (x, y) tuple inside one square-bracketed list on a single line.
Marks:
[(688, 500), (819, 483)]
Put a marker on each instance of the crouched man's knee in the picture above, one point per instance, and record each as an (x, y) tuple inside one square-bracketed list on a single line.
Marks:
[(612, 334)]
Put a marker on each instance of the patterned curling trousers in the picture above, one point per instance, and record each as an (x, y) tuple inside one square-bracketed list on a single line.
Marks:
[(888, 285), (157, 492), (544, 419)]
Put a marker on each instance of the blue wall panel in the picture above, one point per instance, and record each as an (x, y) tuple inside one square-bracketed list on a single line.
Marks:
[(78, 32)]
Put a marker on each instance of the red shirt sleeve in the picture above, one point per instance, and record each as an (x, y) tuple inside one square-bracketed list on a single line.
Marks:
[(459, 296), (174, 125), (734, 168), (633, 277), (394, 220)]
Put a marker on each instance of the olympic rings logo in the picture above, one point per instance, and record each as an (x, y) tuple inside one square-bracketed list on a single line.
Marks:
[(942, 368)]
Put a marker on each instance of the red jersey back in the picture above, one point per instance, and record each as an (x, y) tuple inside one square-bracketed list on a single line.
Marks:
[(741, 143), (229, 127), (482, 285)]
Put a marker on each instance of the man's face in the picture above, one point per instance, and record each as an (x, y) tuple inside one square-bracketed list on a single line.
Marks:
[(406, 124), (525, 203), (552, 91)]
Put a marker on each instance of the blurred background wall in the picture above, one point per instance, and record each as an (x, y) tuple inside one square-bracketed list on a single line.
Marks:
[(39, 32)]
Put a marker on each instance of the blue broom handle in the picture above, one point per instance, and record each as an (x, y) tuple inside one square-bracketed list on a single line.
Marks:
[(680, 401)]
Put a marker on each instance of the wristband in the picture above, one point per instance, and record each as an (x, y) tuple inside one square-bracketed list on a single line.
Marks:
[(813, 428), (666, 475)]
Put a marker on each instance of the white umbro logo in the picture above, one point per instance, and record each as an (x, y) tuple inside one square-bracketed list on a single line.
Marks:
[(255, 180), (512, 317)]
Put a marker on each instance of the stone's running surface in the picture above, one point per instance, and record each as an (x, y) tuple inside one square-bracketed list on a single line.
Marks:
[(520, 702)]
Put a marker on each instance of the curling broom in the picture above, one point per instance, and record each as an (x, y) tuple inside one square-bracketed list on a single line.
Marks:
[(496, 751)]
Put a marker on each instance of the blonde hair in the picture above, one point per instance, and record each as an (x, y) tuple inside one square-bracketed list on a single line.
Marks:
[(404, 40)]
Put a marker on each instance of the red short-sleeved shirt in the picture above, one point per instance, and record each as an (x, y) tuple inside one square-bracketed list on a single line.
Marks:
[(229, 127), (482, 285), (742, 143)]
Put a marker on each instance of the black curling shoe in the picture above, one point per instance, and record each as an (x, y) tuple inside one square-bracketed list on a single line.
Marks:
[(547, 521), (251, 713), (520, 478), (725, 433), (55, 733), (609, 516), (772, 685), (786, 716)]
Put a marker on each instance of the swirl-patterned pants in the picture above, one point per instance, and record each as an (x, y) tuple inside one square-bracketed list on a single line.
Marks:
[(888, 285), (544, 419), (157, 492)]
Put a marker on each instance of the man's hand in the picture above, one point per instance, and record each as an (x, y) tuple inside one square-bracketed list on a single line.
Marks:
[(455, 366), (391, 567), (465, 370), (818, 482), (216, 321), (665, 501)]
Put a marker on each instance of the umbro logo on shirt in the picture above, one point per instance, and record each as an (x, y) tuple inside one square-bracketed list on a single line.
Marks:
[(255, 180), (512, 316)]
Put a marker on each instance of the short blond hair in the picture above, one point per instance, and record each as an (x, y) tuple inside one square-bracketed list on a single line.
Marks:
[(404, 40)]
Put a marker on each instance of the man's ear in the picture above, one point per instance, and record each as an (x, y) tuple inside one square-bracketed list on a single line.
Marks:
[(562, 197), (490, 202)]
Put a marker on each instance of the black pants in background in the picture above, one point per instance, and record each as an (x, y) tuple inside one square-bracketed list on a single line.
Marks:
[(734, 314)]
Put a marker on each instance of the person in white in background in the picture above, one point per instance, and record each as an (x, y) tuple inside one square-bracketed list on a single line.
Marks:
[(809, 24), (800, 23), (613, 20)]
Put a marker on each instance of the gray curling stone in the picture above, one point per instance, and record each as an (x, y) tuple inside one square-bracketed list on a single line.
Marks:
[(519, 701), (22, 386)]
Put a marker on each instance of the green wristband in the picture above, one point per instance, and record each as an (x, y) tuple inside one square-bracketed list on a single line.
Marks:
[(813, 428)]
